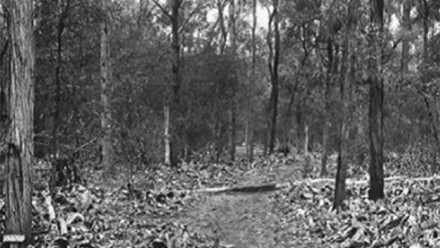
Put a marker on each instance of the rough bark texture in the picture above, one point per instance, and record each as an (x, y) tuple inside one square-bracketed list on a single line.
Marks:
[(106, 145), (20, 152), (376, 100), (273, 67), (4, 90)]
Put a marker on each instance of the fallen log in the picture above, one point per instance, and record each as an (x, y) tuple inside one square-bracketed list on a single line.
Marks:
[(249, 189)]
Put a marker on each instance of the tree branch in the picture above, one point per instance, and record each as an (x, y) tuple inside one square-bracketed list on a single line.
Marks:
[(163, 9)]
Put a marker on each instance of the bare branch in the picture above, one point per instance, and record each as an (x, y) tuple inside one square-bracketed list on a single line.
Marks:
[(163, 9), (195, 11)]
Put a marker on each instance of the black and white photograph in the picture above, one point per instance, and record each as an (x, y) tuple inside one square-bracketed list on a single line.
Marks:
[(219, 123)]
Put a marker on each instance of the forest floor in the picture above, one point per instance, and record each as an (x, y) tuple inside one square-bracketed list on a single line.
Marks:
[(188, 206)]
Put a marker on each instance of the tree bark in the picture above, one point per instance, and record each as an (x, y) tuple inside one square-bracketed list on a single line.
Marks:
[(273, 68), (176, 83), (376, 100), (106, 145), (20, 152), (346, 72)]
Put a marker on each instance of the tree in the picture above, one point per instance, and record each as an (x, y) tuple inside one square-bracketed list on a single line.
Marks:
[(172, 96), (233, 41), (346, 78), (106, 144), (274, 58), (249, 132), (329, 31), (425, 75), (62, 16), (20, 139), (376, 101)]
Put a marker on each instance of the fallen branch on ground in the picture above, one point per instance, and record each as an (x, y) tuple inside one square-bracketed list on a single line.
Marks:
[(248, 189)]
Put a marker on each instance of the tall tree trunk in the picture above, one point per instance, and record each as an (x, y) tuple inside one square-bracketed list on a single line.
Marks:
[(172, 157), (433, 117), (346, 77), (56, 117), (19, 159), (407, 27), (326, 129), (106, 145), (376, 103), (273, 68), (172, 93), (233, 43), (249, 122)]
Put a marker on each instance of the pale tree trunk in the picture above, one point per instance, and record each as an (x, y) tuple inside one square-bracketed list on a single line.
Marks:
[(173, 98), (346, 77), (221, 21), (273, 68), (249, 122), (376, 100), (20, 149), (306, 139), (106, 145), (167, 136)]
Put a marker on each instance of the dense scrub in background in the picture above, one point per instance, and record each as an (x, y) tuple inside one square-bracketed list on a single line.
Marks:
[(67, 105)]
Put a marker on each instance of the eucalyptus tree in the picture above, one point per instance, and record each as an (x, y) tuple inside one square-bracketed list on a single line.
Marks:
[(20, 150)]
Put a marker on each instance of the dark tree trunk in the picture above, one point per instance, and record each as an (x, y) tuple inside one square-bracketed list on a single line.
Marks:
[(4, 90), (376, 103), (376, 138), (20, 152), (341, 174), (273, 67), (177, 79), (56, 117), (233, 112)]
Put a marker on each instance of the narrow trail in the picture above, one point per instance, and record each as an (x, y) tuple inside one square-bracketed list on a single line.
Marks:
[(244, 220)]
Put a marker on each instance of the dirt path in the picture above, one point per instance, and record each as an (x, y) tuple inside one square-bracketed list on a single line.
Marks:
[(245, 220)]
